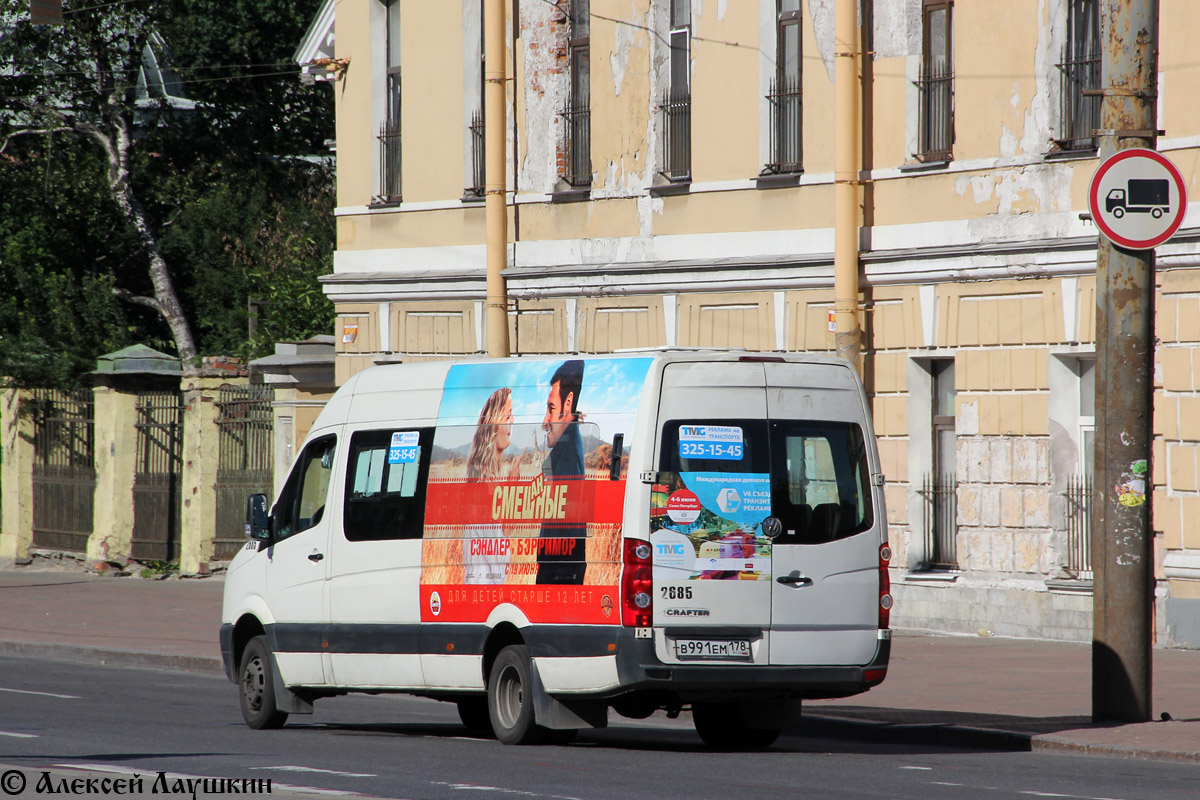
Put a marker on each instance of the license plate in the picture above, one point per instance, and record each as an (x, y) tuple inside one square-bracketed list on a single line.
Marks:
[(688, 649)]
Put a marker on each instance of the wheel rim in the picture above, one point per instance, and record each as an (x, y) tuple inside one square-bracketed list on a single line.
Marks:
[(510, 697), (254, 683)]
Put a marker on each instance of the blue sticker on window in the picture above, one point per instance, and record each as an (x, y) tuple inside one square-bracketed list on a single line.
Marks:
[(404, 447), (720, 442)]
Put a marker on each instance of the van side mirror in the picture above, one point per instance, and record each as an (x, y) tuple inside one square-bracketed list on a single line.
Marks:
[(258, 521)]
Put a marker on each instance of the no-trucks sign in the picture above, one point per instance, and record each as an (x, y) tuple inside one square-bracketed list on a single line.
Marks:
[(1137, 198)]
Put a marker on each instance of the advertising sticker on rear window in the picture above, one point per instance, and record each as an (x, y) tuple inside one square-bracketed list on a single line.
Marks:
[(720, 442), (404, 447)]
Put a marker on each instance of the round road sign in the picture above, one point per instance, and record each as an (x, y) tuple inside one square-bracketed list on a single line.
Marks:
[(1137, 198)]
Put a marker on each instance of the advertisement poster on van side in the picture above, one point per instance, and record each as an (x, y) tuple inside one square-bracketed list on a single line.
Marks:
[(522, 505)]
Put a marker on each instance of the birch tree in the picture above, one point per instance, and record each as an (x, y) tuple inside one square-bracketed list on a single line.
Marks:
[(89, 79)]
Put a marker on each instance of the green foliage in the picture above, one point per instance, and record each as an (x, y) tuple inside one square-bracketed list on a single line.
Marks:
[(236, 209), (58, 237)]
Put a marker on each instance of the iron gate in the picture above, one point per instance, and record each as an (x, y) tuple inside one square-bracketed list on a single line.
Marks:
[(64, 468), (157, 482), (245, 459)]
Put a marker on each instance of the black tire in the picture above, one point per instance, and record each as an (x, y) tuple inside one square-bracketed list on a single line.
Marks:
[(510, 698), (720, 725), (473, 711), (258, 687)]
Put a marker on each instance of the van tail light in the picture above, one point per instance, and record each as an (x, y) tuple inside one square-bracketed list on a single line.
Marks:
[(885, 587), (637, 585)]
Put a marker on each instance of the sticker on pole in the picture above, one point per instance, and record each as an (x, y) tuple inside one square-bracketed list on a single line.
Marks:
[(1137, 198)]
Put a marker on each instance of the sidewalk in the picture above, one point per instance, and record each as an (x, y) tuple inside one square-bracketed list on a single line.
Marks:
[(946, 690)]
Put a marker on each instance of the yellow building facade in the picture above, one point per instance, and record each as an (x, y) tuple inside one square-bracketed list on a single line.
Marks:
[(670, 183)]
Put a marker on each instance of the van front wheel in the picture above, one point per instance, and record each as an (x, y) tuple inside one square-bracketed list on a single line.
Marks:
[(258, 687), (721, 725), (510, 698)]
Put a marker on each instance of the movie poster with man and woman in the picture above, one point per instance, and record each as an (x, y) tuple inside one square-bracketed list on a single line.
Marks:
[(524, 503)]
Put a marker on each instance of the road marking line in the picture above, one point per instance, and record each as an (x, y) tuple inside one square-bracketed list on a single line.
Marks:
[(480, 787), (291, 768), (19, 735), (43, 694), (922, 768)]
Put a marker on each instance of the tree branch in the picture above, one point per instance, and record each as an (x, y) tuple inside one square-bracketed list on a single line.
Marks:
[(30, 132), (136, 299)]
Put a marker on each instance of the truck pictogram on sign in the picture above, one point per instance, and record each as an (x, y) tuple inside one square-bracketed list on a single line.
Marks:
[(1142, 196)]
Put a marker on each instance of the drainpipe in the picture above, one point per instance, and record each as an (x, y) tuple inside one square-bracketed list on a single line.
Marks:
[(848, 339), (495, 126)]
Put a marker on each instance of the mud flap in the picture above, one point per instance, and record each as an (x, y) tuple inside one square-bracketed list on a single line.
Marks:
[(559, 714), (285, 699)]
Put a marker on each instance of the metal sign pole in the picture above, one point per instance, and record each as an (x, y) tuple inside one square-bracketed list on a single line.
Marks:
[(1122, 548)]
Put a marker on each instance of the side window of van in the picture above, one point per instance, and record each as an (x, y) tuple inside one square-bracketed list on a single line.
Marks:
[(385, 484), (302, 503)]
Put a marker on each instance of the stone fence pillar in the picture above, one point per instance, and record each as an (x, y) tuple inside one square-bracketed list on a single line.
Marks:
[(16, 479), (116, 465)]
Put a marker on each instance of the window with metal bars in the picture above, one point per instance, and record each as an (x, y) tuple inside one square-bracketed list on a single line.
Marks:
[(389, 130), (676, 107), (576, 117), (940, 488), (1079, 75), (784, 99), (936, 83)]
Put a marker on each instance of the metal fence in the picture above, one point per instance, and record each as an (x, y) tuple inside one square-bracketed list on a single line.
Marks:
[(1079, 526), (245, 459), (784, 101), (936, 135), (1080, 112), (941, 521), (676, 110), (577, 145), (389, 162), (478, 160), (157, 484), (64, 468)]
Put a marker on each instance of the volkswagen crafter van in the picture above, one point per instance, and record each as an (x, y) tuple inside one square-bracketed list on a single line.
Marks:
[(540, 540)]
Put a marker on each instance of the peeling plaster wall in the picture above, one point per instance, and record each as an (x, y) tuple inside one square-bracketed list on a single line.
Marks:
[(630, 60), (547, 90), (897, 30)]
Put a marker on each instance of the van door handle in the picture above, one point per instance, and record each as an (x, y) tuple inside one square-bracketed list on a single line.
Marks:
[(314, 557), (794, 580)]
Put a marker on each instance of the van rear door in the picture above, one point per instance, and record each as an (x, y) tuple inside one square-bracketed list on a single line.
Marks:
[(743, 441), (825, 563)]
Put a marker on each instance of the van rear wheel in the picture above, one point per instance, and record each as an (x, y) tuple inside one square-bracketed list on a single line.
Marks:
[(257, 683), (721, 725), (473, 711), (510, 698)]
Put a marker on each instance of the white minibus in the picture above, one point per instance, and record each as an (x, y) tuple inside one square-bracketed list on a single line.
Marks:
[(540, 540)]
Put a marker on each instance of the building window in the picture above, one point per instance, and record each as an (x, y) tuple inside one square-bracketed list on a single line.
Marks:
[(577, 121), (389, 131), (478, 174), (1080, 76), (936, 83), (784, 98), (1079, 485), (941, 486), (676, 108)]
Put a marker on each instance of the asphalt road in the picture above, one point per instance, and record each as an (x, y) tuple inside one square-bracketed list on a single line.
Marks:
[(114, 721)]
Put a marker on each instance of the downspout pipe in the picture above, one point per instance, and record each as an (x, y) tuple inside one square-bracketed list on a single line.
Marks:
[(495, 128), (848, 339)]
